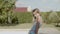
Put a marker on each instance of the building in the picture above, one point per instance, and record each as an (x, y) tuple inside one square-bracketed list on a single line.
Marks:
[(23, 9)]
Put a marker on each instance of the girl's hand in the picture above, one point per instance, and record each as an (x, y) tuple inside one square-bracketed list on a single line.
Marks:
[(38, 18)]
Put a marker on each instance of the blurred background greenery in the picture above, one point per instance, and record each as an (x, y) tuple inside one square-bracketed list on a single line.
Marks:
[(8, 16)]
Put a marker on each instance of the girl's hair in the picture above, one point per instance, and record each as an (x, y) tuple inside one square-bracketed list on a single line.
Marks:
[(37, 11)]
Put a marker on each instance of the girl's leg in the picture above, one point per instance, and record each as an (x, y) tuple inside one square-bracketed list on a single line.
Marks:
[(32, 31), (37, 28)]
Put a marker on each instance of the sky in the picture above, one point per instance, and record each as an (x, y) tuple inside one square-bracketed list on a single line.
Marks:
[(43, 5)]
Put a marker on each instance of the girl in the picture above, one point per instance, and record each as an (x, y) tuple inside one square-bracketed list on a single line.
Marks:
[(37, 21)]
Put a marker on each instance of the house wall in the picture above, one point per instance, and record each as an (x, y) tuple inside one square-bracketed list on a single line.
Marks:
[(21, 9)]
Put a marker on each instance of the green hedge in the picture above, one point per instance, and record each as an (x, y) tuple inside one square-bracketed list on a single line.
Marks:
[(26, 17), (4, 18)]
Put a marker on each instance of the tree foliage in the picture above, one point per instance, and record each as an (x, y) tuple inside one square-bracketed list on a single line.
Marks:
[(6, 11)]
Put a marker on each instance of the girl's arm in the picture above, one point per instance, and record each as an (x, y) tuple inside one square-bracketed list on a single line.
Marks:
[(38, 18), (37, 24)]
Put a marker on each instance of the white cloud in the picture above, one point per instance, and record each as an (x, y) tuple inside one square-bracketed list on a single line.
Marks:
[(46, 1), (20, 4), (56, 0)]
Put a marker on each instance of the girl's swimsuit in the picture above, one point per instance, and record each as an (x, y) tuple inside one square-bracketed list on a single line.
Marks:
[(33, 29)]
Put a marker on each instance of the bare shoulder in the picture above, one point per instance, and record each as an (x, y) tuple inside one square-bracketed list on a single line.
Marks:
[(37, 15)]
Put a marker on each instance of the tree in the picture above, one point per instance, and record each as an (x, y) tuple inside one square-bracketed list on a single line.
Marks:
[(7, 6)]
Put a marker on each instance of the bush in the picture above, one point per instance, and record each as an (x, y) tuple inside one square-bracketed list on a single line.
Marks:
[(4, 19), (24, 17), (15, 20)]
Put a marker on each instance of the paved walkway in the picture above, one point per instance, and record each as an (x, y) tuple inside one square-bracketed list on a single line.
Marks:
[(25, 31), (48, 31)]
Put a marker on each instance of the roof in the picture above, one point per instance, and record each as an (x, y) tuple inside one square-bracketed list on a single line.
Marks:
[(21, 9)]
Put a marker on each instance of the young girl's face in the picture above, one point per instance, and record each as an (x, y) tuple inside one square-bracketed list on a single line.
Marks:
[(35, 12)]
